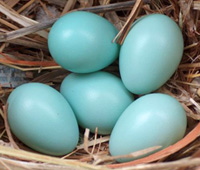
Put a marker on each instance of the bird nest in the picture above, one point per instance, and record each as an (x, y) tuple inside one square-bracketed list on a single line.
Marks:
[(24, 57)]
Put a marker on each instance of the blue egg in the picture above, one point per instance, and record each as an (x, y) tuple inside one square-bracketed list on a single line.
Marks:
[(152, 120), (150, 53), (98, 99), (42, 119), (82, 42)]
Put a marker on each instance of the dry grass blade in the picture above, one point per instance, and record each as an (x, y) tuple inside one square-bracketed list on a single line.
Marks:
[(11, 3), (44, 78), (25, 6), (91, 143), (125, 29), (196, 5), (25, 31), (22, 20), (191, 65), (69, 5), (8, 24), (190, 113), (191, 46), (187, 162), (99, 159), (40, 26), (8, 128), (24, 155), (86, 3), (13, 15), (187, 83), (95, 140), (60, 3), (86, 141), (32, 68), (24, 165), (5, 165), (6, 59), (28, 44)]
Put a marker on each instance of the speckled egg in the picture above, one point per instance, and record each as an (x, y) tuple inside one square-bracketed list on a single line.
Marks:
[(98, 99), (152, 120), (82, 42), (150, 53), (42, 119)]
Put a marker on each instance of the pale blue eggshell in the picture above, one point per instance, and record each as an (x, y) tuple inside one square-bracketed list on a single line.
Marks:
[(82, 42), (98, 99), (152, 120), (150, 53), (42, 119)]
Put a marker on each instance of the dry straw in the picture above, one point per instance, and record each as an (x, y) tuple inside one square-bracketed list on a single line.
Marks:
[(24, 47)]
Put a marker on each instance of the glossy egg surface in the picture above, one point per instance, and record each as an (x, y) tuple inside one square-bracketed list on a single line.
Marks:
[(152, 120), (150, 53), (97, 99), (82, 42), (42, 119)]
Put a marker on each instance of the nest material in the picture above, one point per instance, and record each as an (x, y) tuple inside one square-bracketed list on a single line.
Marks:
[(24, 27)]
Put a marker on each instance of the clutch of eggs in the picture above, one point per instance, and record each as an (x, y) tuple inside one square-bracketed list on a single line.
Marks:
[(81, 42)]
